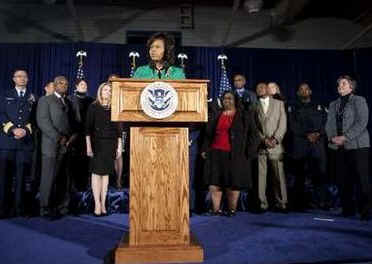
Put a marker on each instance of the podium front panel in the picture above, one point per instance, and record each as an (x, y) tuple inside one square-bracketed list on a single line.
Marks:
[(159, 186)]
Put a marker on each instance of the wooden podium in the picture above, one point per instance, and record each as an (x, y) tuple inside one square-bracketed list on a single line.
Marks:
[(159, 228)]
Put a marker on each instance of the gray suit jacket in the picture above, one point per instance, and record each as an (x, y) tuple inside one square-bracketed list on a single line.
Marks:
[(354, 122), (54, 121), (272, 124)]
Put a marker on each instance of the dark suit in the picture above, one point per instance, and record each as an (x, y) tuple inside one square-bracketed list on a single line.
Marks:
[(55, 120), (248, 98), (15, 154)]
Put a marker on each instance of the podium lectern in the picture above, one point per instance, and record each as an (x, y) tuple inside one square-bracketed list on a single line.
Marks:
[(159, 229)]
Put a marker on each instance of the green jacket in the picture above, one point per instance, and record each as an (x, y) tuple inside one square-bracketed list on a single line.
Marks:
[(173, 73)]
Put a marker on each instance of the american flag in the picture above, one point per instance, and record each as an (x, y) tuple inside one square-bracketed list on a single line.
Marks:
[(224, 82), (80, 73), (132, 68)]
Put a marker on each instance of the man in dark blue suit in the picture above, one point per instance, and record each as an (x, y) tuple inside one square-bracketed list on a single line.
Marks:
[(17, 119)]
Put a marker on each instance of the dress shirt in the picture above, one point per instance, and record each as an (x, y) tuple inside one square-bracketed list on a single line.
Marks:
[(265, 104)]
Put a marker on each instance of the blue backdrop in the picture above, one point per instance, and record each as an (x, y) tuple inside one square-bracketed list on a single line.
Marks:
[(287, 67), (320, 68)]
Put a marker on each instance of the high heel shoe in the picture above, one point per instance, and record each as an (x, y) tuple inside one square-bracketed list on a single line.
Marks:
[(96, 215), (104, 213), (216, 213), (231, 213)]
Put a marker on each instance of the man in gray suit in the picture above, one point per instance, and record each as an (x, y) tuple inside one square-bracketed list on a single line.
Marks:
[(272, 125), (54, 118)]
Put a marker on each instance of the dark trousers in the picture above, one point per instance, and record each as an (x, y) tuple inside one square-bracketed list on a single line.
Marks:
[(55, 183), (314, 163), (353, 172), (15, 167), (79, 171), (79, 163)]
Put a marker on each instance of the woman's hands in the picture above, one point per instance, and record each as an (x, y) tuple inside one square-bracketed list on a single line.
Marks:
[(89, 147)]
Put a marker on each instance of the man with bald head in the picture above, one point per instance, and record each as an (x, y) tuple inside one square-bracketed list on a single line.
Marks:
[(56, 122), (272, 126)]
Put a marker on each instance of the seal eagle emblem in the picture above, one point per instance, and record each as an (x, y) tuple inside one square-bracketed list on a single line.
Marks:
[(159, 100)]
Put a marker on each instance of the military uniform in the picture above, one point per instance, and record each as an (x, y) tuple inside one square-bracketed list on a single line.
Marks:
[(247, 97), (16, 111)]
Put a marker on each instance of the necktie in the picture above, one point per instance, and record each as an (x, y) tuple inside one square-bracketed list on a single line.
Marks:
[(21, 93)]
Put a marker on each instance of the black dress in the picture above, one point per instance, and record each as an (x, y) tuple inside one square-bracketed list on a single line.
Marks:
[(79, 161), (104, 136)]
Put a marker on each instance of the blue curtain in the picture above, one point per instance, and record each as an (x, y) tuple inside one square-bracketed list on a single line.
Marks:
[(287, 67)]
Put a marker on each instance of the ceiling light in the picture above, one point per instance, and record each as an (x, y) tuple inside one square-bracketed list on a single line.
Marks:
[(253, 6)]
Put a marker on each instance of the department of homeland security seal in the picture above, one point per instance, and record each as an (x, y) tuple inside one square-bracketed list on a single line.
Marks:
[(159, 100)]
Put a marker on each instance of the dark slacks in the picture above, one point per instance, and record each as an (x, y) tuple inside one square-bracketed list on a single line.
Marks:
[(15, 167), (354, 183), (55, 183), (79, 164), (315, 160)]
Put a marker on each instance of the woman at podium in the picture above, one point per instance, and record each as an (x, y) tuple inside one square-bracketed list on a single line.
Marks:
[(161, 54), (231, 138)]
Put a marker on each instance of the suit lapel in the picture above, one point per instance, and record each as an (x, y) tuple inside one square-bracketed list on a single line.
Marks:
[(261, 117), (261, 114), (348, 104), (13, 93), (58, 101)]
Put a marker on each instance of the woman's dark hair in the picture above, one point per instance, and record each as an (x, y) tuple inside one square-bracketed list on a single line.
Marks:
[(238, 102), (169, 43), (78, 81), (352, 82)]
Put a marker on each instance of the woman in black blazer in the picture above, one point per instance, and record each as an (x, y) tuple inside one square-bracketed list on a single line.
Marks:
[(231, 139)]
